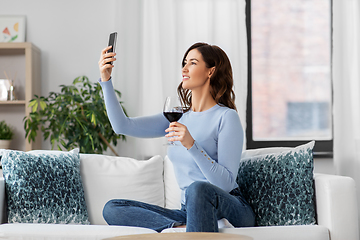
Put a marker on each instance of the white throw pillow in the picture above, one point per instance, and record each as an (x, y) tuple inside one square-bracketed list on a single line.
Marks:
[(108, 177), (172, 189)]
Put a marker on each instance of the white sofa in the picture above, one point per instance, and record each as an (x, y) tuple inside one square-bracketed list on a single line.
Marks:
[(153, 181)]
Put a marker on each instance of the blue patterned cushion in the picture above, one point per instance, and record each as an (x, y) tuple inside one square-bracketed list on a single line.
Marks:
[(44, 188), (279, 186)]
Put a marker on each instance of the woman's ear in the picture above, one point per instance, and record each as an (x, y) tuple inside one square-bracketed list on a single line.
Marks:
[(212, 70)]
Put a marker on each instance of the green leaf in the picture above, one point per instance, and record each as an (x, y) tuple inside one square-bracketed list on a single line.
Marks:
[(93, 119), (63, 143), (32, 103), (46, 135), (42, 105), (76, 80)]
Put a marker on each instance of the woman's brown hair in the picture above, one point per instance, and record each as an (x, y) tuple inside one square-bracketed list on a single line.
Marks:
[(221, 81)]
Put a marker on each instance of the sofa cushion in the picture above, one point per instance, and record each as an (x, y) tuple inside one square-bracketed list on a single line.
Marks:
[(172, 189), (278, 184), (44, 187), (27, 231), (109, 177), (299, 232)]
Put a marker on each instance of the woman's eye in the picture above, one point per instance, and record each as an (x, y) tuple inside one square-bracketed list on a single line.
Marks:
[(193, 63)]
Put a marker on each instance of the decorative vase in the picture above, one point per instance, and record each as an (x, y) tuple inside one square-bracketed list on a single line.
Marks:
[(5, 144)]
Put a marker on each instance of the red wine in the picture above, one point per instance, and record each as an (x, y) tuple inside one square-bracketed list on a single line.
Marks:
[(172, 116)]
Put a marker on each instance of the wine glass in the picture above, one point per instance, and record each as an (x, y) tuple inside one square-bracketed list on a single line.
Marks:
[(173, 111)]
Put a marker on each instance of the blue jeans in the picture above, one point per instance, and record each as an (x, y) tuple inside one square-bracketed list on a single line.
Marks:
[(205, 204)]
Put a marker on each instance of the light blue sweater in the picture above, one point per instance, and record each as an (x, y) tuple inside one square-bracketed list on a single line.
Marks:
[(216, 153)]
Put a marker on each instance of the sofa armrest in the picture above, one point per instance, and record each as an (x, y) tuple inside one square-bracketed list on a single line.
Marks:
[(336, 204), (2, 200)]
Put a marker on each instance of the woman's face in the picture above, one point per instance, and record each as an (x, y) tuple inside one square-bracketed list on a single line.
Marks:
[(195, 73)]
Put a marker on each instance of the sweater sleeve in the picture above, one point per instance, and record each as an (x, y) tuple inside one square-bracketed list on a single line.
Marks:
[(223, 172), (145, 127)]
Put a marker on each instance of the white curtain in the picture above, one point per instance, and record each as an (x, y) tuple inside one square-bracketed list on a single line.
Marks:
[(346, 80), (153, 36)]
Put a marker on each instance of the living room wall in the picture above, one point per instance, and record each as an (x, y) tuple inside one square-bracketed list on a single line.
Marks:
[(71, 35)]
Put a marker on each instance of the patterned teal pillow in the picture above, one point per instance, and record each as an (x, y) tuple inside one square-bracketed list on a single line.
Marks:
[(279, 186), (44, 188)]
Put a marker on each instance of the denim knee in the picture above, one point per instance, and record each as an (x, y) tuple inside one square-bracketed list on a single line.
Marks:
[(108, 209), (197, 190), (111, 206)]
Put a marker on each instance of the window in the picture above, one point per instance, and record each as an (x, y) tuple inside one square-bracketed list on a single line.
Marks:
[(289, 90)]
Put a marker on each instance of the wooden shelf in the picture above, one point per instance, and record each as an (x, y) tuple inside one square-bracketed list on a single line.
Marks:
[(20, 46), (15, 102), (24, 61)]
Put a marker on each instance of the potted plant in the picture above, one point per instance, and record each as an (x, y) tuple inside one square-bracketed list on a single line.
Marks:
[(6, 134), (74, 117)]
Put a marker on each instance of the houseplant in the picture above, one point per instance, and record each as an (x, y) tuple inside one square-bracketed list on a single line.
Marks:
[(6, 134), (74, 117)]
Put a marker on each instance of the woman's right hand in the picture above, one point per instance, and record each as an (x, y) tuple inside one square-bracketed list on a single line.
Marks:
[(105, 68)]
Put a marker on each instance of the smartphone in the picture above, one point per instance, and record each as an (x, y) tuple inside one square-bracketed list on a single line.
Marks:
[(112, 42)]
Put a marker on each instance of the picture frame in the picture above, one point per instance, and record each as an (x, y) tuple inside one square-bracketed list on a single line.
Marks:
[(12, 28)]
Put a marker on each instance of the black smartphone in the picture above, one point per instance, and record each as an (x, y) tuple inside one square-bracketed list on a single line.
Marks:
[(112, 42)]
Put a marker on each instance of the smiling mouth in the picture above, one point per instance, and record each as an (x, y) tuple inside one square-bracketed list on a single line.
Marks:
[(185, 78)]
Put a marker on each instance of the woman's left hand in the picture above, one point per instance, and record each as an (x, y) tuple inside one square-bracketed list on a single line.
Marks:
[(179, 132)]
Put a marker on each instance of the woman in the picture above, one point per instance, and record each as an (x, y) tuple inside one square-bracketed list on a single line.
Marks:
[(210, 138)]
